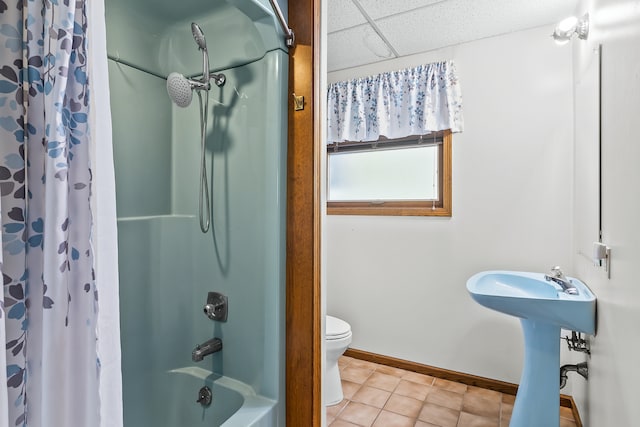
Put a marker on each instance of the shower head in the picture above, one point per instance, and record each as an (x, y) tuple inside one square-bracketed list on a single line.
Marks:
[(198, 35), (180, 89)]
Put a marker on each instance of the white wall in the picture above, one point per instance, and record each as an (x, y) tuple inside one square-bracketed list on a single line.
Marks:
[(400, 281), (609, 398)]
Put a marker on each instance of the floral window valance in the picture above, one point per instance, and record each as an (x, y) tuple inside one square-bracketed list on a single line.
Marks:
[(413, 101)]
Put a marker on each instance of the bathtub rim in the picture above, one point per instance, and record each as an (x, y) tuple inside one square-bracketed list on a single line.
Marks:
[(255, 408)]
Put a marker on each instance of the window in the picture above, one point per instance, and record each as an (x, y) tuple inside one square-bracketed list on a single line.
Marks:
[(407, 176), (399, 173)]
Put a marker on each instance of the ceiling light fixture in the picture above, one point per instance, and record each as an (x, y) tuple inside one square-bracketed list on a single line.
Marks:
[(570, 26)]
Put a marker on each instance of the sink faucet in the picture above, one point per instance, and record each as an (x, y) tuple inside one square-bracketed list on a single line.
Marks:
[(558, 276), (206, 348)]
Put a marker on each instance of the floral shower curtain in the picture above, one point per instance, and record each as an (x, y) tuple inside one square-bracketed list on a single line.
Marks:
[(413, 101), (50, 371)]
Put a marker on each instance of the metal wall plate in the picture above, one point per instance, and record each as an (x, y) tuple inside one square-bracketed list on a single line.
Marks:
[(298, 102)]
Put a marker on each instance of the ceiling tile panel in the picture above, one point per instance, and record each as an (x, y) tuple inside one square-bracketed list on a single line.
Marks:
[(343, 14), (377, 9), (458, 21), (355, 46)]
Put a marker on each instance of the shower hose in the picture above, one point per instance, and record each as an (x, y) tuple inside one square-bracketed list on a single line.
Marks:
[(204, 202)]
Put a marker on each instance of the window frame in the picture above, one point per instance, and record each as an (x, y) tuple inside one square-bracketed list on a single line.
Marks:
[(439, 208)]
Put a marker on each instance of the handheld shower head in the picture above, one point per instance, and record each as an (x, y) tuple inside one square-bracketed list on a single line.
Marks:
[(198, 35), (180, 89)]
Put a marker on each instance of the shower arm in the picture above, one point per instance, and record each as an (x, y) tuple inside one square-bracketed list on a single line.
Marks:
[(204, 82), (289, 36)]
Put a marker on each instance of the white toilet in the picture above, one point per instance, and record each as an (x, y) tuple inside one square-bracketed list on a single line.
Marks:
[(337, 339)]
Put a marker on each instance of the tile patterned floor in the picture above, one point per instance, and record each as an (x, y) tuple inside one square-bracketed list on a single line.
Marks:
[(382, 396)]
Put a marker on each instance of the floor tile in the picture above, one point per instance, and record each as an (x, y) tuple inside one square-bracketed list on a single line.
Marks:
[(349, 388), (418, 378), (470, 420), (413, 390), (567, 423), (342, 423), (344, 361), (356, 375), (363, 364), (450, 385), (371, 396), (477, 405), (389, 370), (334, 410), (505, 410), (566, 413), (390, 419), (439, 415), (359, 414), (508, 398), (382, 381), (495, 396), (448, 399), (403, 405)]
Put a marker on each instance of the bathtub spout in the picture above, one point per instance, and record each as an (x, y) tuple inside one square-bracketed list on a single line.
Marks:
[(206, 348)]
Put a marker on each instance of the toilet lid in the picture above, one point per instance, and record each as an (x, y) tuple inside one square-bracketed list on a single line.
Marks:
[(336, 328)]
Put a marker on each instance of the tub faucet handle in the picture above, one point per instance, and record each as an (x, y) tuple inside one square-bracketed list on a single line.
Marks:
[(216, 307)]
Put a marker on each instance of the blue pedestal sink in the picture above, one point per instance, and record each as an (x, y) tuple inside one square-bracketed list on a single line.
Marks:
[(543, 307)]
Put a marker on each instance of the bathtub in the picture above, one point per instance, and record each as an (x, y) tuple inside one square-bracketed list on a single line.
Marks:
[(234, 404)]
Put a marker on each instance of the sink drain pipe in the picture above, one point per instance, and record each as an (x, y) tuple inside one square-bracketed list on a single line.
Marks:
[(581, 368)]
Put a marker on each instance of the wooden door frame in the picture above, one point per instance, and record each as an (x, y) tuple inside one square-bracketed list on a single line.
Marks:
[(303, 316)]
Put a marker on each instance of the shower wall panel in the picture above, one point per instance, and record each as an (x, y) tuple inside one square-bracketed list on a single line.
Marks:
[(156, 309), (243, 255), (141, 115)]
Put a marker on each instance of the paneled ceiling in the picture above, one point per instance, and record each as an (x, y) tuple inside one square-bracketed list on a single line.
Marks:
[(366, 31)]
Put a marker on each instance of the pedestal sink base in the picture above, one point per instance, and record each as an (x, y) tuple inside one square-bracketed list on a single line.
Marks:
[(538, 399), (544, 308)]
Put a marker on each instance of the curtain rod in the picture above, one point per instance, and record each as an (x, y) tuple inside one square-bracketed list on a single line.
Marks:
[(129, 64), (290, 38)]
